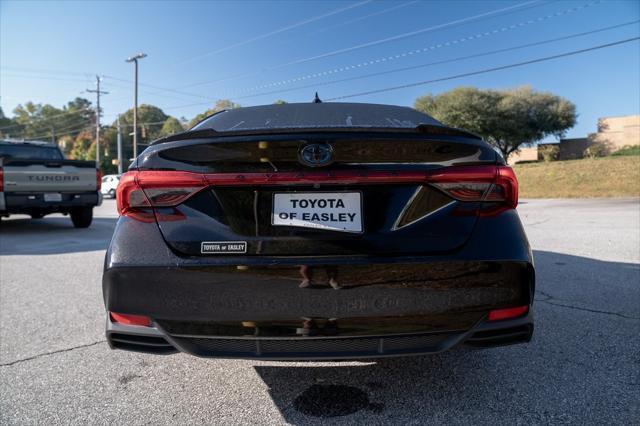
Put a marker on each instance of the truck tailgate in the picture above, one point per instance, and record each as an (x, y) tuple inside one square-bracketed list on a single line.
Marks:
[(55, 176)]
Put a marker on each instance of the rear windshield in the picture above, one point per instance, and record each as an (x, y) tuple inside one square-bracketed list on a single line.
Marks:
[(30, 152), (320, 115)]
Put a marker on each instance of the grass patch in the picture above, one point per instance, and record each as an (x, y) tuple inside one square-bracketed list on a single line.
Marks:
[(587, 178), (628, 150)]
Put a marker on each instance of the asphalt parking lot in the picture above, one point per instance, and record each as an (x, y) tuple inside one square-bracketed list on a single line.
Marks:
[(583, 365)]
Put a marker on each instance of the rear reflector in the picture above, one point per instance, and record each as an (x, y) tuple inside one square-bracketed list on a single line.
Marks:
[(144, 189), (127, 319), (508, 313)]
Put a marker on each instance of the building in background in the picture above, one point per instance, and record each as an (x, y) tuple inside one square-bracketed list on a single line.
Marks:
[(614, 132), (617, 132)]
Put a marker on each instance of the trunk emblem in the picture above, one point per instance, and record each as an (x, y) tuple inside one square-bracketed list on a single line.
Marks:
[(316, 154)]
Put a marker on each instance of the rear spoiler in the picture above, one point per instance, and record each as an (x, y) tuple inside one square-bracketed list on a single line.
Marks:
[(420, 128)]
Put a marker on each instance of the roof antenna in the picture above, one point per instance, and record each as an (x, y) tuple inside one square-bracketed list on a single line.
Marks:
[(316, 99)]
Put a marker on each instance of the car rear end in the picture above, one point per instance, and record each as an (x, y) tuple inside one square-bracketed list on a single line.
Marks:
[(333, 231)]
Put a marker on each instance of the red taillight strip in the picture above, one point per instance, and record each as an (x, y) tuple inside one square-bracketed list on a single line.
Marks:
[(136, 183)]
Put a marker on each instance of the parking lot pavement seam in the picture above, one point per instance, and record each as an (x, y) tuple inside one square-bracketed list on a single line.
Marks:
[(87, 345), (579, 308)]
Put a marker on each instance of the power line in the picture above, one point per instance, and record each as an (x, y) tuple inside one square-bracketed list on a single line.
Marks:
[(36, 120), (362, 18), (406, 35), (416, 51), (39, 77), (272, 33), (501, 11), (445, 61), (66, 133), (74, 129), (486, 70)]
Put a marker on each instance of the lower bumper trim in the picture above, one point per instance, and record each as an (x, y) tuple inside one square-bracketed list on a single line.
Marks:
[(155, 340)]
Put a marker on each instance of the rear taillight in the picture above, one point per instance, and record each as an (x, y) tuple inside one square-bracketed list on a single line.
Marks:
[(145, 189), (482, 183), (98, 179), (138, 190)]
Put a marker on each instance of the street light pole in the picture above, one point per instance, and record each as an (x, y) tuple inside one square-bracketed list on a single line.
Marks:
[(135, 59)]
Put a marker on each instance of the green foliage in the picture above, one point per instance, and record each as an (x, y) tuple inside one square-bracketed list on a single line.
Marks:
[(597, 149), (548, 152), (279, 102), (628, 150), (150, 121), (82, 147), (42, 121), (221, 105), (6, 124), (507, 119), (170, 127)]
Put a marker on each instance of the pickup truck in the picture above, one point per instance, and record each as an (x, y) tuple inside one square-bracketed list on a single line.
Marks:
[(37, 180)]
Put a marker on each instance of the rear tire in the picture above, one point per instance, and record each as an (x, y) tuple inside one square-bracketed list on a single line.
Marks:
[(82, 216), (112, 193), (37, 215)]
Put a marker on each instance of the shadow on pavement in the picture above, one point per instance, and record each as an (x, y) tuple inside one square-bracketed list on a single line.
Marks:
[(53, 235), (586, 315)]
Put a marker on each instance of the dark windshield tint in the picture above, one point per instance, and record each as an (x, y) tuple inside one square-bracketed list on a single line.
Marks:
[(312, 115), (30, 152)]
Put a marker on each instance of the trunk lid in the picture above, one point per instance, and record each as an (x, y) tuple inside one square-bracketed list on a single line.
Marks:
[(238, 179)]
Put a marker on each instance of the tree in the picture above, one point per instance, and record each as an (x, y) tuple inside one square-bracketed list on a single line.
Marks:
[(507, 119), (41, 121), (7, 125), (221, 105), (279, 102), (170, 127)]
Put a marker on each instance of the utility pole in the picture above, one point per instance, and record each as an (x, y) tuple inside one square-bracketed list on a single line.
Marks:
[(98, 92), (135, 59), (119, 147)]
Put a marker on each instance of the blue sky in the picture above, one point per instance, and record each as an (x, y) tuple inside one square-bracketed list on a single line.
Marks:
[(200, 51)]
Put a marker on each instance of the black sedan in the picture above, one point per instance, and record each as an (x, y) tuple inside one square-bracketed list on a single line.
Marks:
[(318, 231)]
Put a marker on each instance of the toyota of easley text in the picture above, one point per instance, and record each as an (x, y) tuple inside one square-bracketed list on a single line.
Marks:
[(318, 231), (36, 179)]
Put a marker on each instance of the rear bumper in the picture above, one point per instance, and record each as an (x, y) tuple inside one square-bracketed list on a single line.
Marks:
[(26, 203), (255, 307), (156, 340)]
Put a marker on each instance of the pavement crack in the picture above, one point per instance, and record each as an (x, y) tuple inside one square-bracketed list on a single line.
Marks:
[(87, 345), (579, 308)]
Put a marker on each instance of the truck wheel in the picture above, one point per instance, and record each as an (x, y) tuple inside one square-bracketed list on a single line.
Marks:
[(112, 193), (37, 215), (82, 216)]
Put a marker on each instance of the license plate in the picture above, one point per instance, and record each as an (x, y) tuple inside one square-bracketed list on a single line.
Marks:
[(53, 197), (334, 211)]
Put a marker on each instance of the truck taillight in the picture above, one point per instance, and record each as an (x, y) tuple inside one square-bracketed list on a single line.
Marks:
[(98, 179)]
